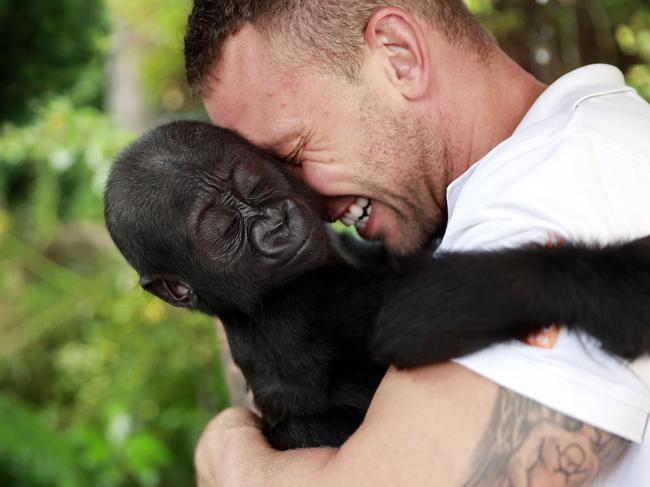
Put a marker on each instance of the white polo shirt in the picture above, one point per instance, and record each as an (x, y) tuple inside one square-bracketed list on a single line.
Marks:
[(577, 168)]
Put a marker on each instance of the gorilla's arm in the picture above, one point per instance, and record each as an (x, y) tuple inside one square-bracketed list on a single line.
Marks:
[(445, 307), (305, 356)]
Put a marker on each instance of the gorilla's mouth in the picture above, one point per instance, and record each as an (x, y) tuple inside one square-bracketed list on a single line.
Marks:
[(358, 213)]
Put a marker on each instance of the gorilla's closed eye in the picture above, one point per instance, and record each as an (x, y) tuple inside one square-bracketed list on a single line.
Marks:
[(255, 188), (259, 191), (220, 223), (231, 229)]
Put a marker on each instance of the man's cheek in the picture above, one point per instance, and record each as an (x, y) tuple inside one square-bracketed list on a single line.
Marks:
[(324, 179)]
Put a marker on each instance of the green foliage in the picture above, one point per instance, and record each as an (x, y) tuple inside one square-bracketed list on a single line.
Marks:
[(31, 454), (119, 379), (552, 37), (158, 28), (109, 386), (126, 381), (50, 46), (54, 169), (633, 37)]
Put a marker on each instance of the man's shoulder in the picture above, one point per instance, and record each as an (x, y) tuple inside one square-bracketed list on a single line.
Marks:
[(570, 123), (617, 124), (579, 176), (592, 101), (619, 121)]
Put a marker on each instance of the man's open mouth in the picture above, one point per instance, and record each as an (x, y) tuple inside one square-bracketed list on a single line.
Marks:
[(358, 213)]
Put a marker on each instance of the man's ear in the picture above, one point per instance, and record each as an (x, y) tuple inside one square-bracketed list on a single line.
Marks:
[(400, 37), (170, 290)]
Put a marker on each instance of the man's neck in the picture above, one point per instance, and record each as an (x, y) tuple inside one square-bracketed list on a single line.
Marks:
[(501, 94)]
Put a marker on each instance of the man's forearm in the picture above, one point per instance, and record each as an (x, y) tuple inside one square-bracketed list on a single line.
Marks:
[(437, 425), (313, 467), (404, 440)]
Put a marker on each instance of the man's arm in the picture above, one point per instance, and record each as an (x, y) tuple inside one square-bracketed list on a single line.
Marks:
[(529, 445), (436, 425)]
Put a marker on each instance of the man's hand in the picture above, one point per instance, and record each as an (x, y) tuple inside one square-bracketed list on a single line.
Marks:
[(227, 446), (403, 440), (233, 452), (218, 448)]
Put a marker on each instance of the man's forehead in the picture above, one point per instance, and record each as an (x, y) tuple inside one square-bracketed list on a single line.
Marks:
[(250, 95), (262, 127), (233, 80)]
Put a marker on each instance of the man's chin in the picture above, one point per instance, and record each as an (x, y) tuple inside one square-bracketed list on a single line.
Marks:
[(401, 238), (404, 244)]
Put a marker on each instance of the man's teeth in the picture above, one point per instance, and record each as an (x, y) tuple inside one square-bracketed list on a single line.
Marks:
[(355, 211), (358, 213)]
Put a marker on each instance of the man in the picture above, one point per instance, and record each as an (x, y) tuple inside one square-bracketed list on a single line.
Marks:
[(414, 108)]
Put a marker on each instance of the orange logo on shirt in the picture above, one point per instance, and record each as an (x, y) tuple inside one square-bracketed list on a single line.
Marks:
[(547, 336), (554, 240), (544, 338)]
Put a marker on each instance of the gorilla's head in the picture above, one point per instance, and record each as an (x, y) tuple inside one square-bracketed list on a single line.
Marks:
[(209, 221)]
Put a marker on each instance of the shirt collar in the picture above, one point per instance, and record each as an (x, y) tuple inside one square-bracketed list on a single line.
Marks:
[(569, 91), (562, 96)]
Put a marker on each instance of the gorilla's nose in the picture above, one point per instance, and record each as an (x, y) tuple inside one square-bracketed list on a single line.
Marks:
[(272, 235)]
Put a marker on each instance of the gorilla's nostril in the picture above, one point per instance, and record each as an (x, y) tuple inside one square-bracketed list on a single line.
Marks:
[(279, 231), (276, 227), (277, 219), (285, 214)]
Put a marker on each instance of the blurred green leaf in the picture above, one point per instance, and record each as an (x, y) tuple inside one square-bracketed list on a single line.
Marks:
[(31, 453), (50, 47), (125, 380), (158, 28)]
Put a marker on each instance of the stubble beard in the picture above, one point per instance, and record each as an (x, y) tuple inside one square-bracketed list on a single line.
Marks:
[(406, 166)]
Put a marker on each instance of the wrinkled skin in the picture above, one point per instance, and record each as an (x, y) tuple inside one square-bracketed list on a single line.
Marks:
[(213, 224)]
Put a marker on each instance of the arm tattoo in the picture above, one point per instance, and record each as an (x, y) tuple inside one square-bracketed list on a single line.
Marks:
[(529, 445)]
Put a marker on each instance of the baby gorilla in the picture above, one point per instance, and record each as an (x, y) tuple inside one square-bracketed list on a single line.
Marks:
[(211, 223)]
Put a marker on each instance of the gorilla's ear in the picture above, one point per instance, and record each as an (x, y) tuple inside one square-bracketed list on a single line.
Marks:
[(169, 289)]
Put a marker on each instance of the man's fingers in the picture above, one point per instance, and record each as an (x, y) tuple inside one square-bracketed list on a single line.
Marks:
[(228, 442)]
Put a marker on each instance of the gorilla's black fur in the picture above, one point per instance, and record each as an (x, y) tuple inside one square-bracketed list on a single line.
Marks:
[(213, 224)]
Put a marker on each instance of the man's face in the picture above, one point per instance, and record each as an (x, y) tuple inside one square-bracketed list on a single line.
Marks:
[(346, 141)]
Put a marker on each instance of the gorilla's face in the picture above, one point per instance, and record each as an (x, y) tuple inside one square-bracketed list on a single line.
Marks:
[(255, 220), (215, 225)]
